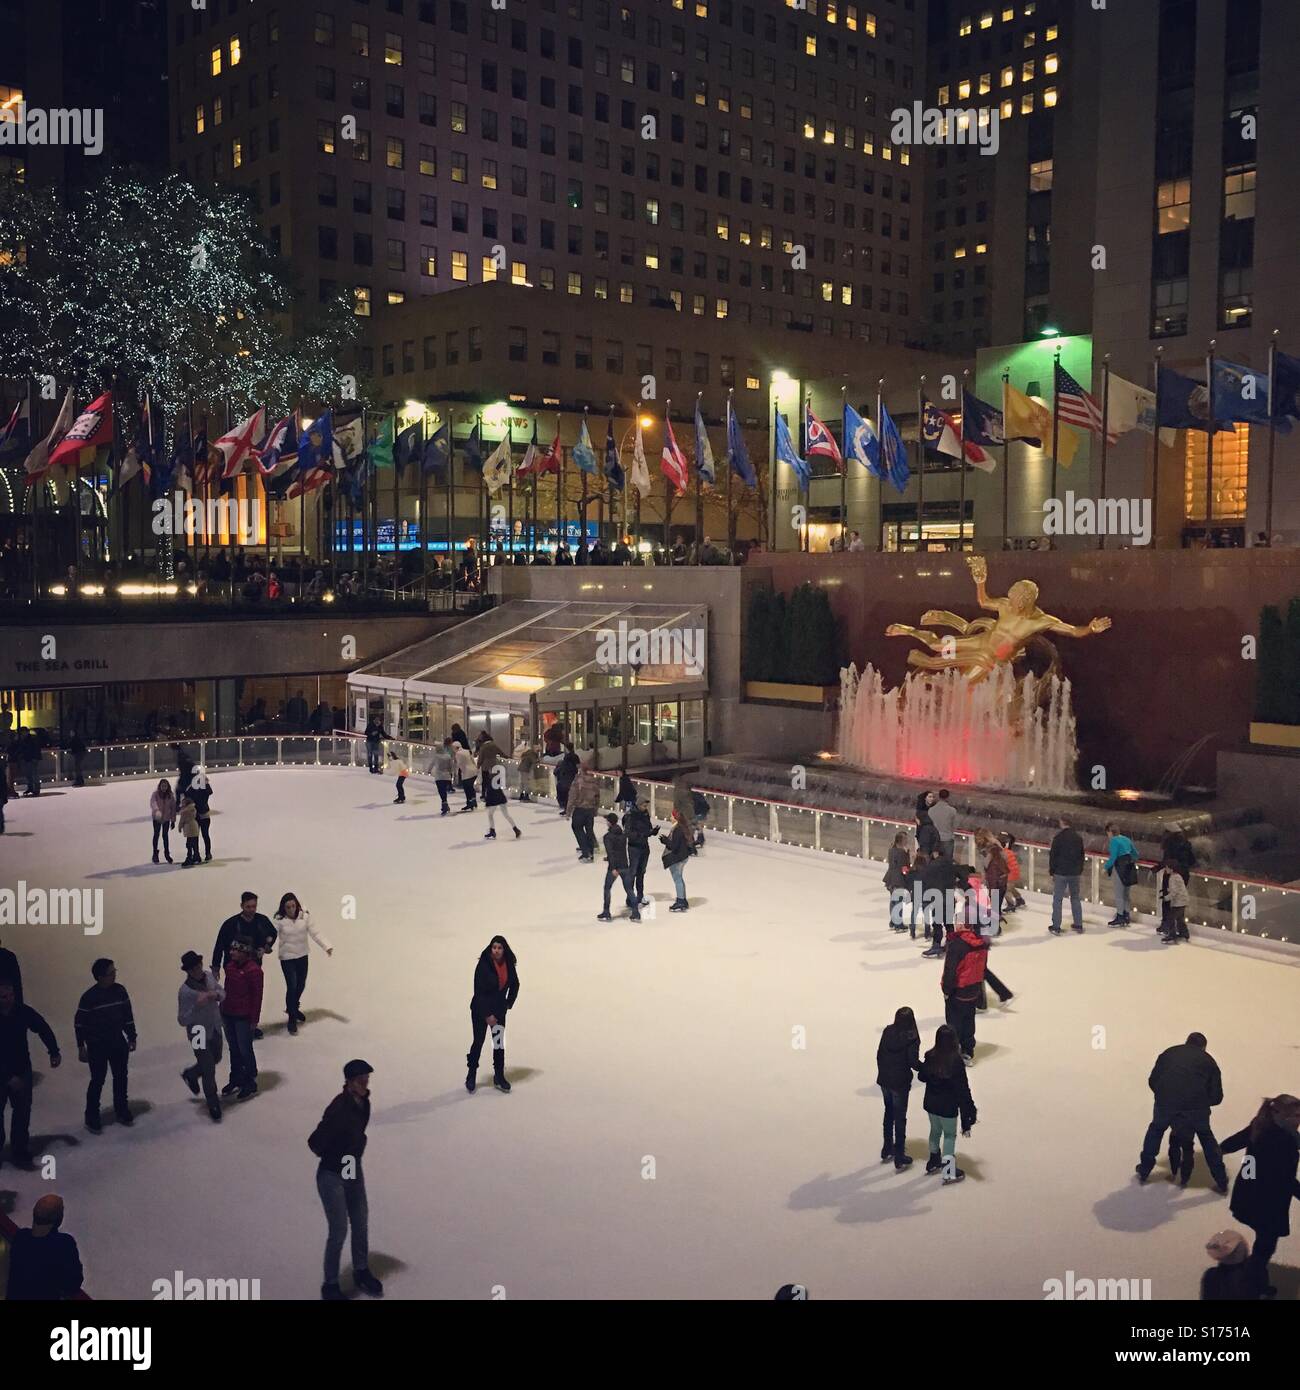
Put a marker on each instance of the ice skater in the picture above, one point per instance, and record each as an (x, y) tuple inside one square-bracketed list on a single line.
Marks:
[(105, 1034), (16, 1021), (403, 772), (897, 1057), (162, 811), (1171, 890), (492, 771), (496, 991), (466, 774), (1013, 899), (1065, 861), (295, 928), (1186, 1084), (240, 1011), (964, 963), (947, 1100), (639, 830), (898, 876), (617, 866), (443, 767), (625, 796), (1231, 1278), (375, 735), (581, 806), (198, 1011), (565, 771), (44, 1262), (187, 819), (678, 845), (1262, 1198), (248, 922), (339, 1141), (1122, 866), (200, 793)]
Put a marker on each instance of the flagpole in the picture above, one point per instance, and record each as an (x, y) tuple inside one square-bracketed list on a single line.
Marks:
[(510, 496), (365, 489), (397, 510), (920, 464), (699, 495), (668, 489), (844, 475), (483, 518), (1272, 434), (1155, 452), (559, 492), (582, 501), (880, 481), (1006, 459), (451, 474), (1105, 440), (423, 526), (731, 520), (264, 501), (806, 489), (961, 449), (1056, 415), (229, 421), (1209, 444)]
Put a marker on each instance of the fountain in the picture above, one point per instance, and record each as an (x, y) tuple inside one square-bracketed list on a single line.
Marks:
[(1004, 732)]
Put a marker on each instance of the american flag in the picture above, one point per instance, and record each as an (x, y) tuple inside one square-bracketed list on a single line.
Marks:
[(1075, 406)]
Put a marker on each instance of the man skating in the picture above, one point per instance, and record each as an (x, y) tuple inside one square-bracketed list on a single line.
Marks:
[(639, 830), (1065, 860), (618, 867), (442, 766), (496, 989), (198, 1011), (965, 958), (16, 1021), (105, 1032), (581, 807), (1187, 1084), (240, 1011), (249, 922), (338, 1141)]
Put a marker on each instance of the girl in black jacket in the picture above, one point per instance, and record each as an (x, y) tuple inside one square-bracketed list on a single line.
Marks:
[(679, 848), (496, 988), (947, 1097), (565, 771), (897, 1057), (1263, 1201), (898, 879)]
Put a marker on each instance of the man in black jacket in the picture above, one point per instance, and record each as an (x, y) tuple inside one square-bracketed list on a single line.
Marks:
[(941, 881), (375, 736), (339, 1141), (1186, 1083), (44, 1263), (249, 922), (105, 1032), (616, 866), (16, 1021), (496, 988), (1065, 864), (9, 967), (639, 828)]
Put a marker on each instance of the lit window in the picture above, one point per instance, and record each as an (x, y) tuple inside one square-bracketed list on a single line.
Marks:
[(675, 299), (701, 9), (944, 94), (986, 83), (236, 52), (1026, 103), (981, 248), (765, 238), (723, 227), (1051, 33), (489, 269), (395, 153), (828, 291), (575, 282), (964, 26), (832, 13), (236, 153), (1040, 176), (652, 211), (1239, 192), (1030, 38), (1006, 110), (200, 119), (810, 45), (651, 256), (518, 272), (489, 175), (809, 128), (752, 383), (1173, 205), (721, 308), (828, 133), (959, 251), (393, 50), (1050, 63), (1049, 96), (624, 292), (459, 118), (886, 151), (1027, 70), (698, 305), (216, 62), (869, 25), (963, 88), (601, 288), (395, 297), (986, 20), (846, 295), (1008, 14), (868, 143), (428, 161), (1008, 76), (1030, 7), (459, 265), (361, 301), (428, 260), (850, 16), (325, 137)]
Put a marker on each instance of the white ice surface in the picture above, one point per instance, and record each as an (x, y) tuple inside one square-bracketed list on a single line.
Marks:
[(669, 1041)]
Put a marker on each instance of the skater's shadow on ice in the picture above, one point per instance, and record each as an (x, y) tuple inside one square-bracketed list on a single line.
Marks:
[(1136, 1207), (152, 870), (313, 1016), (413, 1110), (40, 1144), (1286, 1279), (19, 834), (873, 1194), (911, 962), (1131, 943)]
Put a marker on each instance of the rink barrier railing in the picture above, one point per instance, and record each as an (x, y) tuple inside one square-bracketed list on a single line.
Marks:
[(1217, 902)]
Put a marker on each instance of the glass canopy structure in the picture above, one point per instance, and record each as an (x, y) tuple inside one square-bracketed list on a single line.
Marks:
[(628, 681)]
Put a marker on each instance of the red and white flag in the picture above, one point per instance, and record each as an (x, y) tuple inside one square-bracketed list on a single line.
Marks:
[(90, 431), (236, 445), (819, 441), (673, 461), (550, 461)]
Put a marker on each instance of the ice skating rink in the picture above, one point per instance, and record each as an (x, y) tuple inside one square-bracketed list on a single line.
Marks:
[(665, 1048)]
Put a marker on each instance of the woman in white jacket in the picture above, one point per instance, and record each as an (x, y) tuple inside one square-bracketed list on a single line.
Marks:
[(467, 770), (294, 925)]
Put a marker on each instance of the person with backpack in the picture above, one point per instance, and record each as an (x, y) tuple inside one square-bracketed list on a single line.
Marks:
[(1122, 865), (947, 1100), (1265, 1186), (678, 848), (617, 866), (964, 963), (897, 1057), (442, 766), (339, 1141), (898, 877), (496, 991)]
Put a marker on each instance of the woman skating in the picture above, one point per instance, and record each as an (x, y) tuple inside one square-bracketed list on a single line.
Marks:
[(679, 846), (162, 810), (467, 772), (496, 990), (492, 772), (897, 1057), (1261, 1197), (947, 1099), (898, 877), (295, 927)]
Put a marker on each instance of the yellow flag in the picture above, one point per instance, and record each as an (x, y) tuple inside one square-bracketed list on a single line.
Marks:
[(1029, 419)]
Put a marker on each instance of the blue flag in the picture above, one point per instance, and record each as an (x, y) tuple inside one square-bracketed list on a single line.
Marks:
[(703, 450), (583, 454), (473, 448), (1183, 404), (982, 423), (1240, 393), (785, 452), (893, 453), (613, 469), (737, 454), (1286, 388), (437, 449), (861, 442)]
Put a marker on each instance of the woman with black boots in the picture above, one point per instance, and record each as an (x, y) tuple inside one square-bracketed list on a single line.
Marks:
[(496, 988), (162, 811), (947, 1098), (295, 927), (898, 877), (678, 848), (897, 1057), (1262, 1193)]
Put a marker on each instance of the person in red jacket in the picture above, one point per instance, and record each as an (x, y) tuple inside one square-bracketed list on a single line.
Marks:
[(964, 962), (240, 1011)]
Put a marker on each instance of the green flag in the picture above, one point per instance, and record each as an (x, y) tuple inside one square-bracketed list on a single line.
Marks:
[(380, 447)]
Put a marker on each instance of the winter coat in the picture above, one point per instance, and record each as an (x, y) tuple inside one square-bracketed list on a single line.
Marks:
[(615, 842), (1264, 1201), (897, 1057), (899, 869), (996, 873), (200, 796), (1120, 845), (163, 808), (45, 1268), (1013, 865), (15, 1056), (679, 846), (942, 876), (584, 794), (927, 837), (684, 799), (489, 756), (1066, 856), (243, 991), (566, 770), (375, 734), (638, 828), (10, 971), (188, 819), (341, 1133), (190, 1014), (964, 960), (466, 765), (259, 931), (442, 765), (294, 932), (489, 998), (1186, 1077), (943, 817), (947, 1096), (1171, 888), (922, 811), (626, 788), (104, 1017)]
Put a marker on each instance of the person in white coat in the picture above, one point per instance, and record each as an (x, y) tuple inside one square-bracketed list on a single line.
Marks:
[(467, 769), (294, 925)]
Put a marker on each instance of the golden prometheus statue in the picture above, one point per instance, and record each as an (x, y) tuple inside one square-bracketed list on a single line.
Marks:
[(984, 644)]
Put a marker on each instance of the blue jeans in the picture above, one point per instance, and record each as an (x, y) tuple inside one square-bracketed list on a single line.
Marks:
[(678, 881), (239, 1039), (1061, 885), (344, 1200), (626, 876)]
